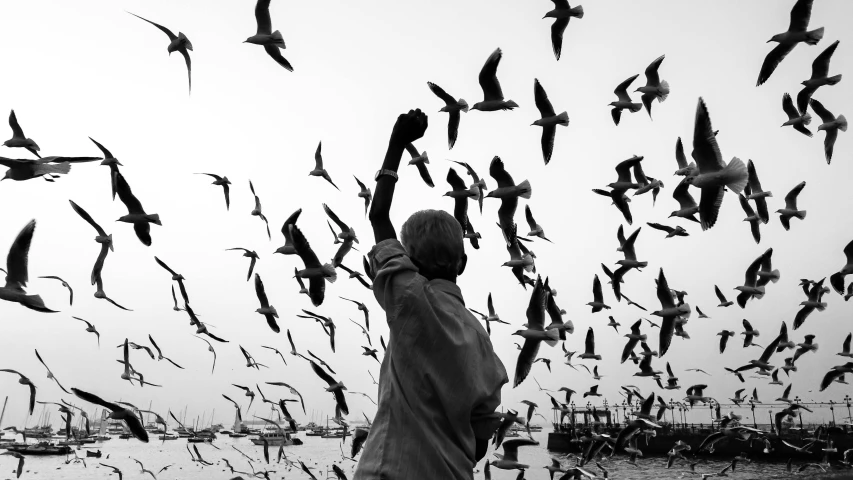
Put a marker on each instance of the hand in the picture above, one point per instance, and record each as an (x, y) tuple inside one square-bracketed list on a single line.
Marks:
[(409, 127)]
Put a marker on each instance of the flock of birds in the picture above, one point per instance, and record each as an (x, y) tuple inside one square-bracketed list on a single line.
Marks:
[(708, 172)]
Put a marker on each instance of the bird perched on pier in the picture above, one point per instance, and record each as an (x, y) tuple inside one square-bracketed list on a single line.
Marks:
[(797, 33), (493, 97), (177, 43), (272, 42)]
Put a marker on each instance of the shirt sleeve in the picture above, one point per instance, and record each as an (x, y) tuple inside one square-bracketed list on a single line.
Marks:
[(484, 420), (396, 277)]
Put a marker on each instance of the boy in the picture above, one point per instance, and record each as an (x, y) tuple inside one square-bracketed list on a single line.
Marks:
[(440, 380)]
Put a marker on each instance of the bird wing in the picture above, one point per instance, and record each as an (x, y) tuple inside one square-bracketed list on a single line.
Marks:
[(658, 226), (303, 248), (165, 30), (623, 169), (424, 173), (541, 98), (162, 264), (92, 398), (525, 360), (85, 215), (536, 307), (259, 290), (262, 16), (622, 90), (16, 261), (291, 220), (322, 373), (788, 107), (488, 77), (126, 195), (499, 173), (440, 93), (791, 197), (652, 78), (679, 154), (709, 206), (752, 272), (16, 128), (771, 348), (825, 115), (800, 15), (820, 66), (663, 292), (720, 295), (343, 226), (706, 151), (558, 28), (628, 246), (772, 60), (589, 343), (667, 330)]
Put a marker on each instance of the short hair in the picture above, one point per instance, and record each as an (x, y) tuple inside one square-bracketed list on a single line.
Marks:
[(434, 239)]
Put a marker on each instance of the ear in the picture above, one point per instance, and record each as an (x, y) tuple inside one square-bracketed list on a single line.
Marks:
[(462, 262)]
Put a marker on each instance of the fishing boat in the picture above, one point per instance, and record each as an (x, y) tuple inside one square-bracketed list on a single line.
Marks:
[(41, 448), (168, 436), (276, 438), (237, 435)]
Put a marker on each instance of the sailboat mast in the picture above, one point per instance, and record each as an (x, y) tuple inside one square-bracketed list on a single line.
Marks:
[(3, 413)]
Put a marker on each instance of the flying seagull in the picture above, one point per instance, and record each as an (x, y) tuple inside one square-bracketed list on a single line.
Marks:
[(795, 118), (493, 97), (17, 274), (271, 41), (714, 173), (820, 77), (18, 139), (831, 125), (179, 43), (319, 171), (791, 210), (223, 181), (624, 100), (655, 88), (453, 107), (797, 32), (420, 160), (548, 121), (135, 213), (561, 14)]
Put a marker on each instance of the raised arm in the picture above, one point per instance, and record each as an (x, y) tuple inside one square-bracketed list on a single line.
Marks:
[(409, 127)]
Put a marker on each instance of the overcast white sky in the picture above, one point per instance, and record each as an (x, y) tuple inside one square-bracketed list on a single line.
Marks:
[(87, 68)]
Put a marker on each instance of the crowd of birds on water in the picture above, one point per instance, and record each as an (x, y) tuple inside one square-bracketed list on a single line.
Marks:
[(708, 173)]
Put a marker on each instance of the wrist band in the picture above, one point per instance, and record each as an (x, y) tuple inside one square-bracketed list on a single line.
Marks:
[(385, 171)]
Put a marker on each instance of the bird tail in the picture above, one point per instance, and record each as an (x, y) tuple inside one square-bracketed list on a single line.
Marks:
[(833, 80), (564, 119), (110, 236), (775, 276), (814, 36), (642, 264), (153, 218), (34, 302), (524, 189), (842, 123), (760, 293), (463, 105), (663, 90), (509, 105), (553, 336), (426, 157), (736, 175), (807, 119), (821, 306), (279, 40), (529, 265), (577, 12), (330, 273), (636, 107), (801, 214)]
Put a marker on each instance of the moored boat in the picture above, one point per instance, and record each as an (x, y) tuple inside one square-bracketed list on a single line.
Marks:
[(41, 448)]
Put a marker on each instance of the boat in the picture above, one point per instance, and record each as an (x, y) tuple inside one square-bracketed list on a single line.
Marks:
[(334, 433), (314, 431), (201, 439), (237, 435), (168, 436), (535, 428), (125, 436), (274, 437), (41, 448), (90, 454)]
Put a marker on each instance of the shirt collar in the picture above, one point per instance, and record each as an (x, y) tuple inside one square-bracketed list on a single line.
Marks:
[(448, 287)]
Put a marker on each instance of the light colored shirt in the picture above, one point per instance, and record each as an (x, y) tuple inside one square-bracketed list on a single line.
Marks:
[(440, 380)]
